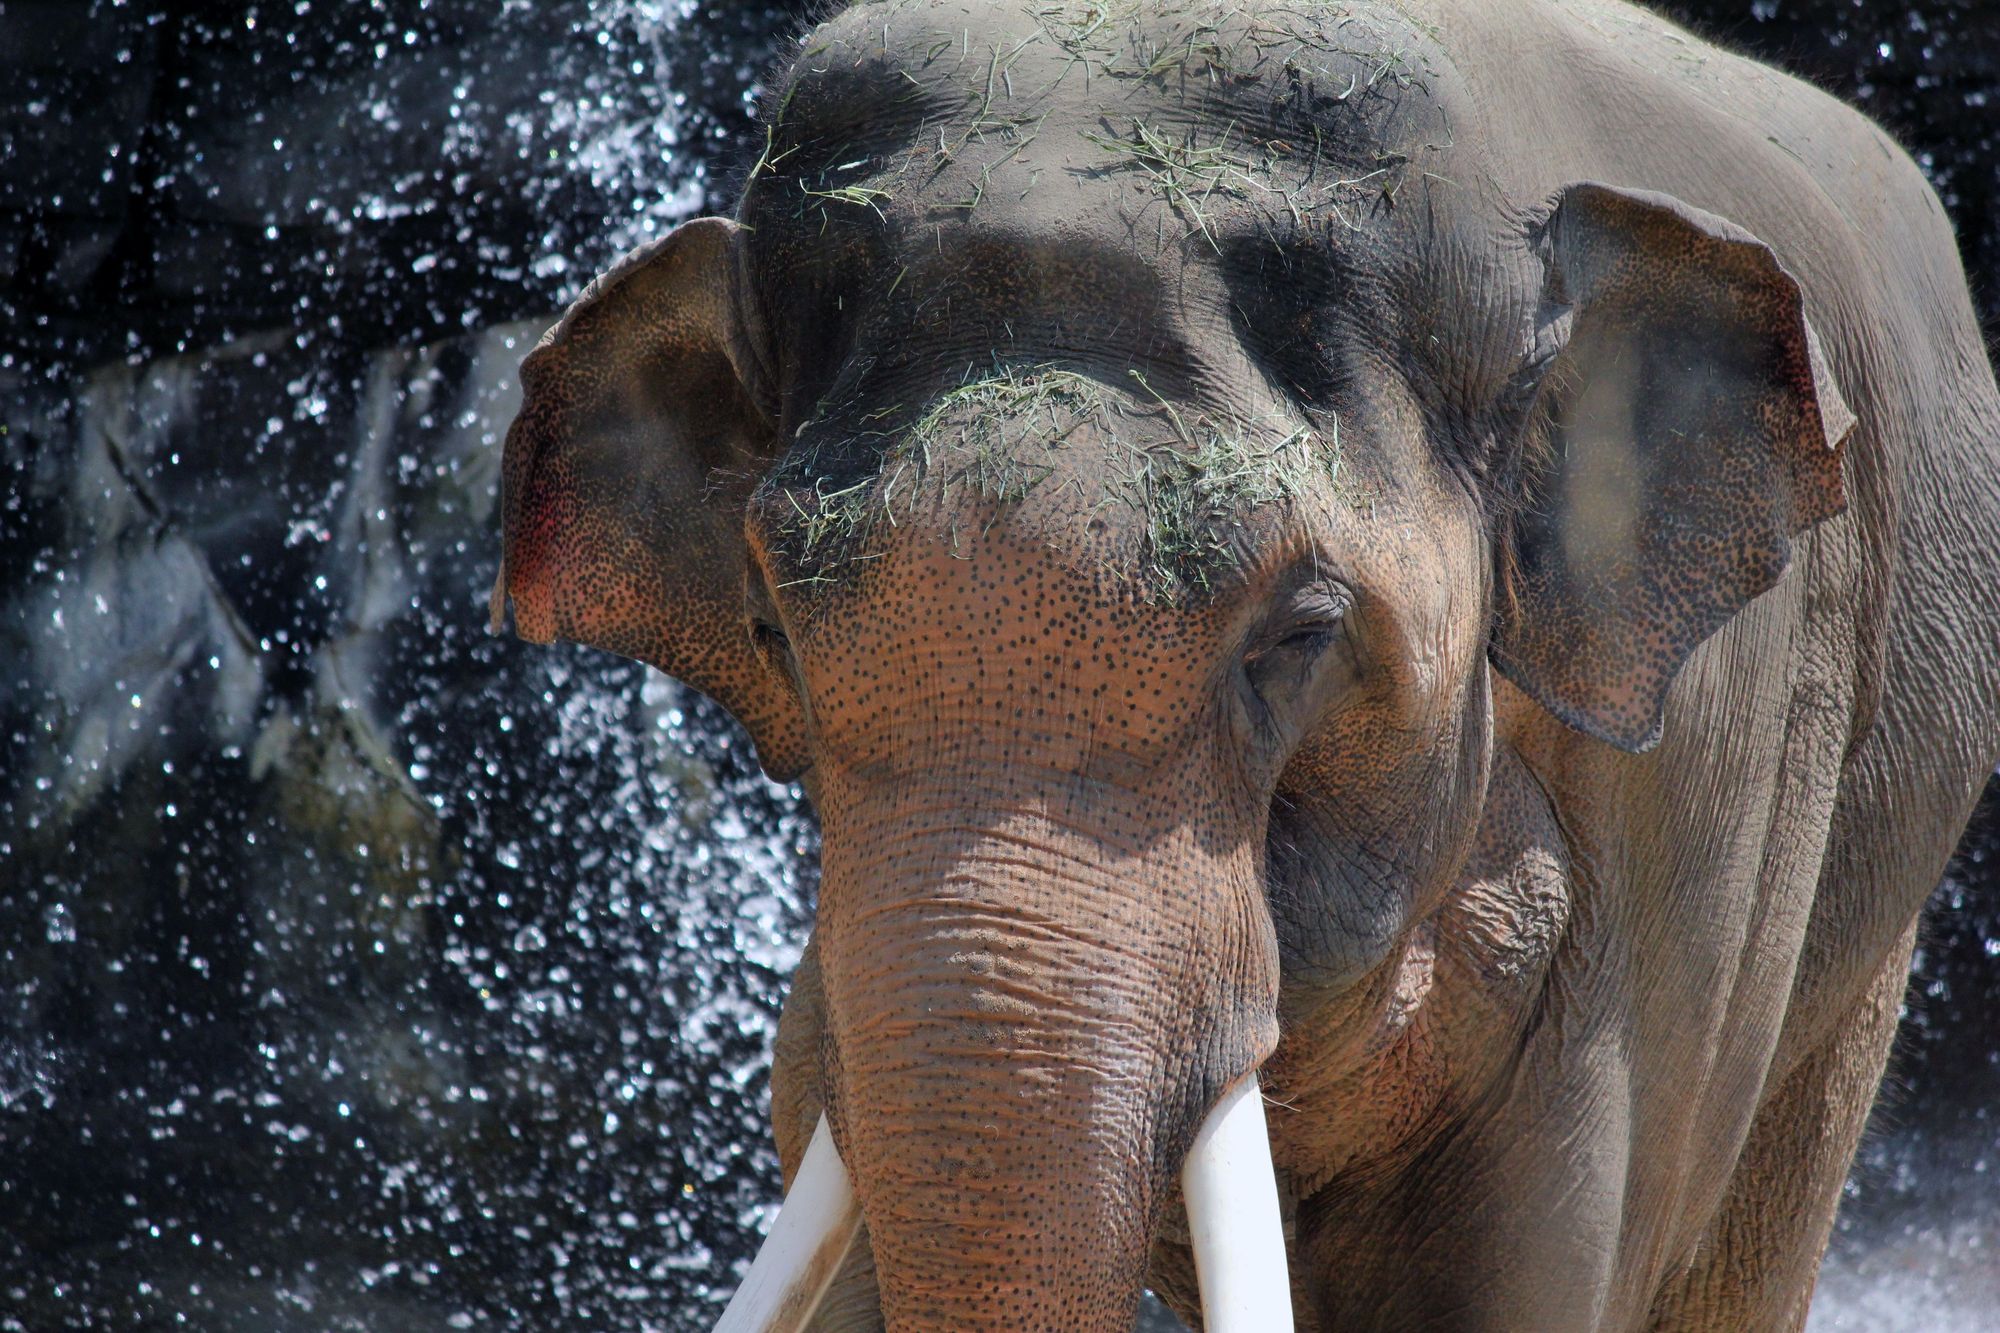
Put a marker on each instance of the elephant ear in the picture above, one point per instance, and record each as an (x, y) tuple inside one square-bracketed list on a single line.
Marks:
[(1686, 430), (641, 432)]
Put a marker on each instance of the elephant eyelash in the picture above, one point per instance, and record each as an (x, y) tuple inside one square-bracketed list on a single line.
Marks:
[(1305, 638), (773, 645), (774, 648), (1315, 615), (1278, 668), (1294, 653)]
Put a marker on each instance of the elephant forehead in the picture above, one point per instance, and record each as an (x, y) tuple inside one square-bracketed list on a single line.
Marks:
[(936, 117), (886, 61), (1146, 501)]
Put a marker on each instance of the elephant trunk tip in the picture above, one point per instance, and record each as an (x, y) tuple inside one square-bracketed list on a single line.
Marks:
[(1233, 1216)]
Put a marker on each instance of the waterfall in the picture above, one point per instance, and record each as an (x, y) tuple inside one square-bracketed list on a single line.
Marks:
[(359, 969)]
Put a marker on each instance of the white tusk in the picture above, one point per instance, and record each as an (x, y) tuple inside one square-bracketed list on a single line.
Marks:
[(1232, 1210), (814, 1230)]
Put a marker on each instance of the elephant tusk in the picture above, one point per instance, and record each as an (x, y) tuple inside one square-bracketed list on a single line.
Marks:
[(815, 1227), (1232, 1210)]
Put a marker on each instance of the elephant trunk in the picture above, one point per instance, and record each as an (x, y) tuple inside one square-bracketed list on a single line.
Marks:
[(1000, 1130), (1024, 1035)]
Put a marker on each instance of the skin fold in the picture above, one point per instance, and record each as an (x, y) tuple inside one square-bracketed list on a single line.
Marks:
[(1437, 552)]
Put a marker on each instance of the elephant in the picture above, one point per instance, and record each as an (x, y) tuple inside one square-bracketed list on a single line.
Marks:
[(1420, 567)]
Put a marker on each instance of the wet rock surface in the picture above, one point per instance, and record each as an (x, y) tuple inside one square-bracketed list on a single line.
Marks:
[(361, 971)]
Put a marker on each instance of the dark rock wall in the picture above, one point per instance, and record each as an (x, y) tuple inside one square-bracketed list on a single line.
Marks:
[(358, 970)]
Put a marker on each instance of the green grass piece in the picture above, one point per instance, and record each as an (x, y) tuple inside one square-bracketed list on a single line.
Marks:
[(861, 196), (992, 440)]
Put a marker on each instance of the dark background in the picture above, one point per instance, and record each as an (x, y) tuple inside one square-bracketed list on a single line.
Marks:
[(360, 971)]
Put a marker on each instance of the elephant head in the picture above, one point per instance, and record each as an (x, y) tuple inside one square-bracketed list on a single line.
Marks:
[(1111, 486)]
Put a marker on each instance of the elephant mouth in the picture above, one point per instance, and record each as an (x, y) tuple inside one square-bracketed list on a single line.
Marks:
[(1233, 1220)]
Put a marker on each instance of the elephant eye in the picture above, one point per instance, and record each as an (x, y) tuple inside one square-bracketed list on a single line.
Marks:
[(1305, 649), (774, 648), (1285, 665)]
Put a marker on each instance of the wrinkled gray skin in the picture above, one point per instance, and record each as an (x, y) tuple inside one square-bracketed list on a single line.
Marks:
[(1442, 552)]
